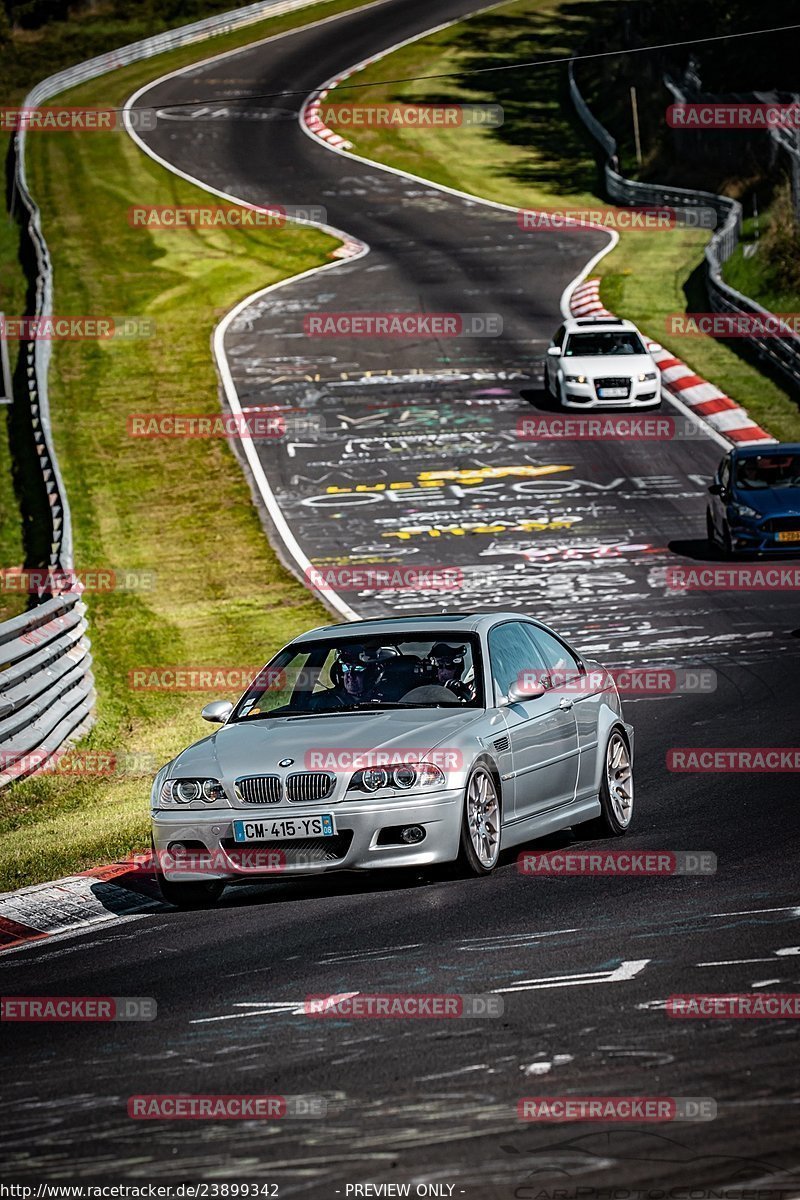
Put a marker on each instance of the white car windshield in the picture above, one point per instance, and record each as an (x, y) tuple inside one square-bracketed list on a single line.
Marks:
[(367, 673), (597, 345)]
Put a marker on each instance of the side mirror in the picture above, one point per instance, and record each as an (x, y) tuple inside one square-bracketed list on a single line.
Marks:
[(554, 351), (654, 347), (217, 711), (518, 693), (715, 489)]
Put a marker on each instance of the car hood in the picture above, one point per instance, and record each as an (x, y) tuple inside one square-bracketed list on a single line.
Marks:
[(627, 365), (780, 502), (258, 746)]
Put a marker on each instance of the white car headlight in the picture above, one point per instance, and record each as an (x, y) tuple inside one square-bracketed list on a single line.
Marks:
[(575, 379), (402, 777), (185, 791), (645, 375)]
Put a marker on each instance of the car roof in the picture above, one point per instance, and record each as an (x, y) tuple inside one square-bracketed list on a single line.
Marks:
[(760, 449), (460, 623), (599, 324)]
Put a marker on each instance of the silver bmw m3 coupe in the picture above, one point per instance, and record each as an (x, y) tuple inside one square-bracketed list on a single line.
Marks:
[(395, 743)]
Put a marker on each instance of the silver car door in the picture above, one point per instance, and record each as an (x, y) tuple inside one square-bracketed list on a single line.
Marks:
[(543, 731), (572, 682)]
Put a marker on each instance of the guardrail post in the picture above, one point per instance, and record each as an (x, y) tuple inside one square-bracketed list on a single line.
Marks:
[(6, 393)]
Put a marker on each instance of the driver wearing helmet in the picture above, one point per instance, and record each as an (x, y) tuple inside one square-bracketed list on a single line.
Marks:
[(446, 666), (355, 673)]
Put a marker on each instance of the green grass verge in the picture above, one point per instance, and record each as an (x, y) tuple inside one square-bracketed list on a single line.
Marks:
[(180, 509), (766, 263), (541, 157)]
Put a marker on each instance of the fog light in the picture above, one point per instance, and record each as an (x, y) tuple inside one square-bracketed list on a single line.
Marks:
[(176, 848), (412, 834)]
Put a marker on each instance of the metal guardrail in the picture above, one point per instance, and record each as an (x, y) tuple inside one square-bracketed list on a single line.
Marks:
[(46, 684), (782, 352), (6, 388)]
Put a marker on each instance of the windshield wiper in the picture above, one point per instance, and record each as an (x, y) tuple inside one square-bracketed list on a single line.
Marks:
[(366, 706), (276, 712)]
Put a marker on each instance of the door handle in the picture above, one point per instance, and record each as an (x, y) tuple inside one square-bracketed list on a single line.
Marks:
[(565, 703)]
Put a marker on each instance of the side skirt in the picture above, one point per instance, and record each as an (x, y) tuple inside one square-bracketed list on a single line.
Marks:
[(540, 824)]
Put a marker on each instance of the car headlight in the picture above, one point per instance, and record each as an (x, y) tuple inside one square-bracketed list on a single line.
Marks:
[(744, 510), (185, 791), (645, 375), (575, 379), (402, 777)]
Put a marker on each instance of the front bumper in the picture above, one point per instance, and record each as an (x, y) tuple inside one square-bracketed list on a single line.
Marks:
[(751, 536), (438, 813), (584, 396)]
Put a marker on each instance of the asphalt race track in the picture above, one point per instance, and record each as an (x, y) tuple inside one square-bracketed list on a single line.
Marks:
[(586, 546)]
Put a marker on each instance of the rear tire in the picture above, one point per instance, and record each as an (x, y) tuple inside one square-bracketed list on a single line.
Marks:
[(480, 823), (616, 791)]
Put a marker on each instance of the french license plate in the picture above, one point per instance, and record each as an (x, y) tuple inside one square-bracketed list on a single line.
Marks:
[(284, 831), (789, 535), (611, 393)]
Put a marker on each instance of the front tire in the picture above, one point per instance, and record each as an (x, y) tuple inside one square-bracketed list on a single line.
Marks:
[(711, 533), (616, 791), (480, 823)]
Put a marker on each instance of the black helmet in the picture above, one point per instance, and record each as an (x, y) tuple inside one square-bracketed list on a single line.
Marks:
[(450, 654), (353, 652)]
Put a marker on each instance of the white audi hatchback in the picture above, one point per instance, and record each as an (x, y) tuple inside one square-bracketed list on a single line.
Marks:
[(602, 362)]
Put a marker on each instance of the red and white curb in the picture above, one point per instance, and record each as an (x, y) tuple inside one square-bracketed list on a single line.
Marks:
[(702, 398), (89, 900), (310, 112)]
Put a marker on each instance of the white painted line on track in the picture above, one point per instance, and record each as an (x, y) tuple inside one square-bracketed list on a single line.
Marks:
[(626, 970), (268, 1008)]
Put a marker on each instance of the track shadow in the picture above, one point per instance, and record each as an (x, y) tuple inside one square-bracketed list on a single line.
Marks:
[(698, 549)]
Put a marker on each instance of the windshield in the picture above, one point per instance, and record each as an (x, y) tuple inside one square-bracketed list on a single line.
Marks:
[(768, 471), (439, 671), (595, 345)]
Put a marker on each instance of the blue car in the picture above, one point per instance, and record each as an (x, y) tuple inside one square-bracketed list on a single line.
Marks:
[(755, 500)]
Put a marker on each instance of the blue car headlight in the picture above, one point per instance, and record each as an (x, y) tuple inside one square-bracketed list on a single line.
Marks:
[(744, 510)]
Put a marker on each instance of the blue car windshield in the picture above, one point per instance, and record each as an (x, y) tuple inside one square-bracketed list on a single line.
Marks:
[(768, 471)]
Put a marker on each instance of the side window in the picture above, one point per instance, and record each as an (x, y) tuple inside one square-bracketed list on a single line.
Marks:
[(558, 339), (512, 653), (560, 662), (725, 473)]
